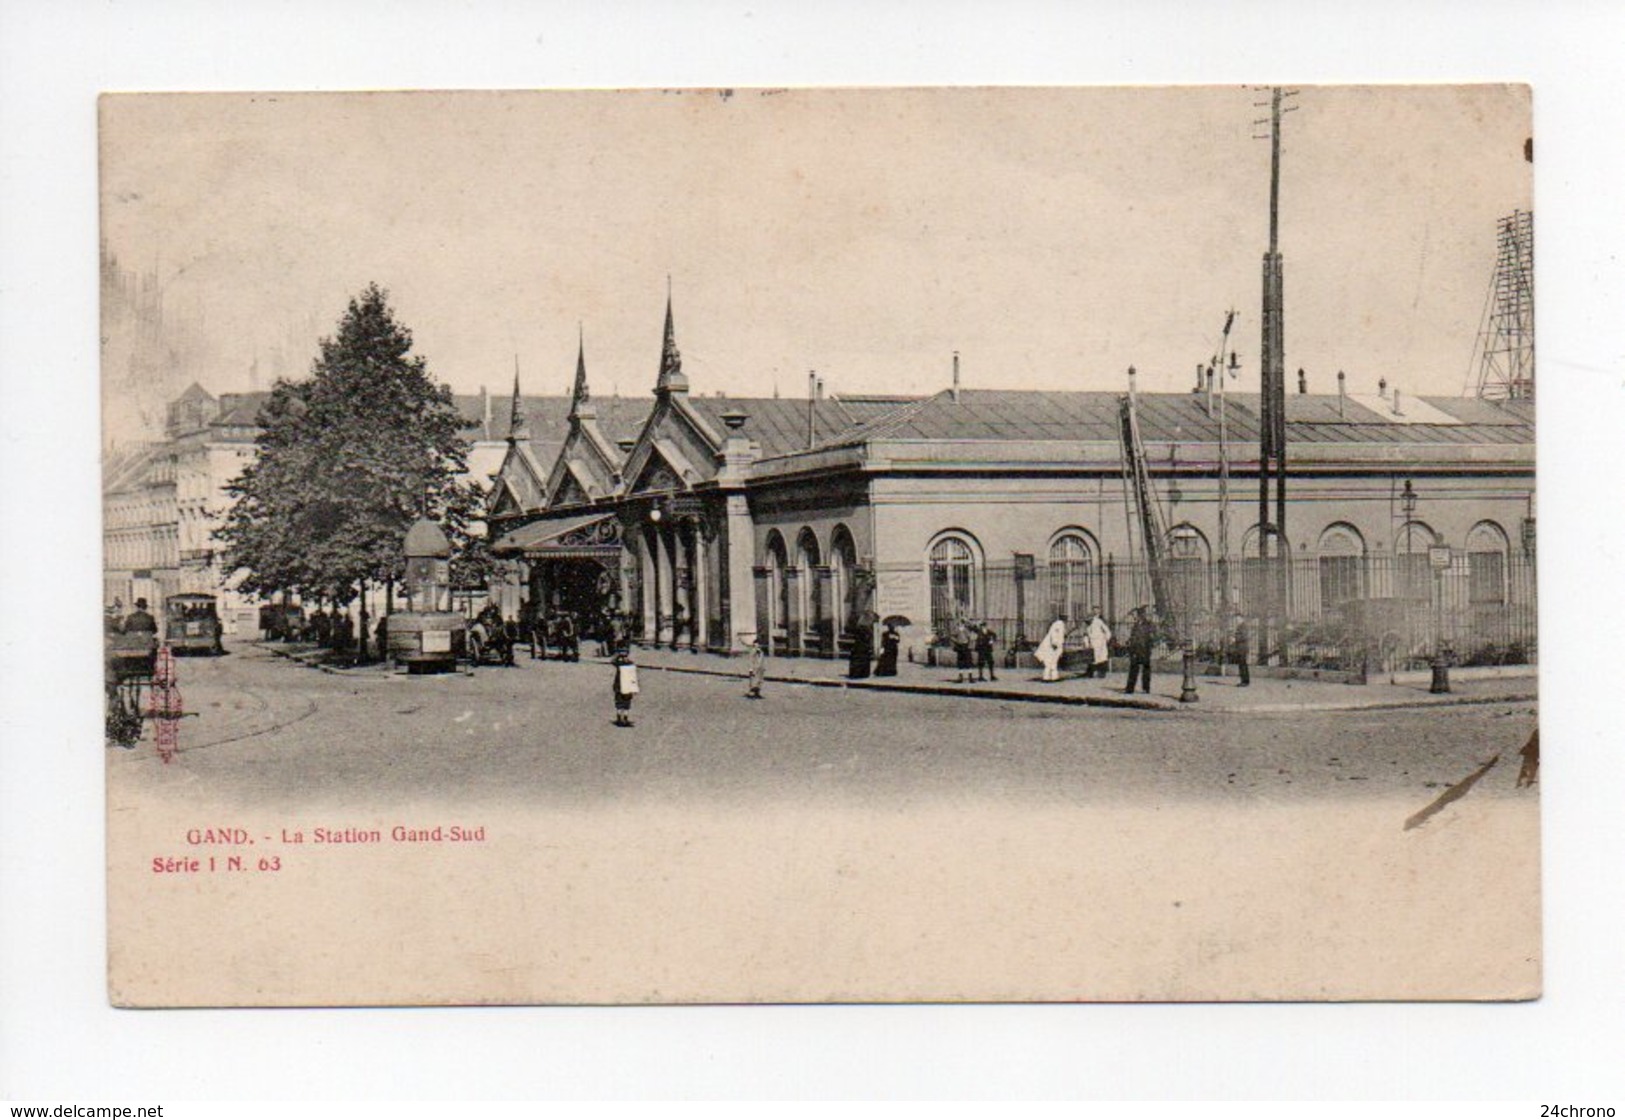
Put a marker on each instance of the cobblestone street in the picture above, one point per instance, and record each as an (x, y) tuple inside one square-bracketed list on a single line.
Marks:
[(788, 845)]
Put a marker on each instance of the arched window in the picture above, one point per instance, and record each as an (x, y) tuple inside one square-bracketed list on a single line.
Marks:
[(778, 561), (807, 585), (953, 563), (1411, 544), (1342, 565), (1254, 591), (1071, 574), (1487, 564), (843, 560)]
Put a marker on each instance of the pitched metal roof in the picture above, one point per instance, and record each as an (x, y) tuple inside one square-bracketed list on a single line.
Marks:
[(779, 424), (1181, 418)]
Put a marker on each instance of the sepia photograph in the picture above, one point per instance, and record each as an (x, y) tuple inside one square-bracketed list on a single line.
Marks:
[(808, 545)]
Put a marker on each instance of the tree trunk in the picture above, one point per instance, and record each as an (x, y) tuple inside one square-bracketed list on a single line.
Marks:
[(361, 643)]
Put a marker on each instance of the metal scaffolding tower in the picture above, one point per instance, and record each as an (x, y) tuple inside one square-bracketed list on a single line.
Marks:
[(1506, 369)]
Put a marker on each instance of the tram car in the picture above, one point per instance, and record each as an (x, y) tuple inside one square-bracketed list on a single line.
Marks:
[(192, 624)]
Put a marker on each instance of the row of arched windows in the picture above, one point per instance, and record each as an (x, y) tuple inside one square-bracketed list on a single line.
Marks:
[(794, 594), (1071, 579)]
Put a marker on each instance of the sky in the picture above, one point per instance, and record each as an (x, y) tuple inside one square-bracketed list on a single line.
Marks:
[(1053, 237)]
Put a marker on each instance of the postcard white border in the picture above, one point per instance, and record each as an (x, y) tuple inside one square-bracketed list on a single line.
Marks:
[(58, 1037)]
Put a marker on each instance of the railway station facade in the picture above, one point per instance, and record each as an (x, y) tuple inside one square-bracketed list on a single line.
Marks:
[(707, 520)]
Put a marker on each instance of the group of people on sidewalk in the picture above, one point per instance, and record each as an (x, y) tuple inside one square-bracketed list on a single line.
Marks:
[(973, 644)]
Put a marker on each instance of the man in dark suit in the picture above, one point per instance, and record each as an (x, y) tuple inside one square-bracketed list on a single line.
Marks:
[(1142, 636), (139, 621)]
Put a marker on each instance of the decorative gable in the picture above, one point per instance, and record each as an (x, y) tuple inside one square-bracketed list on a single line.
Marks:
[(657, 475), (570, 492), (502, 502)]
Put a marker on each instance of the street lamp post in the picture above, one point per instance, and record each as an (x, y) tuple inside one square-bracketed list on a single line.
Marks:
[(1439, 559)]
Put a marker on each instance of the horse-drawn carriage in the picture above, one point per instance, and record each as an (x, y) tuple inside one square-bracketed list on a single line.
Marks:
[(129, 663), (492, 638)]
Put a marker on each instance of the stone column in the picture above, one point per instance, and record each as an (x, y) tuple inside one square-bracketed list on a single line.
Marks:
[(650, 591), (793, 621), (701, 597), (747, 594), (762, 581), (823, 618), (666, 578)]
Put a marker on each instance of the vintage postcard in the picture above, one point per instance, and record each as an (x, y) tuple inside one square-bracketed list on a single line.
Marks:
[(801, 545)]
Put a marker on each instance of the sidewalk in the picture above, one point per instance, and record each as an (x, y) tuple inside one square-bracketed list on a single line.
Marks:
[(1263, 696)]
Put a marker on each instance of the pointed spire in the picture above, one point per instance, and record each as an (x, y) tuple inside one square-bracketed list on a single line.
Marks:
[(672, 379), (518, 426), (580, 398)]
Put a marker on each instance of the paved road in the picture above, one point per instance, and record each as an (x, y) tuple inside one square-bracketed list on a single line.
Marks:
[(271, 732), (817, 845)]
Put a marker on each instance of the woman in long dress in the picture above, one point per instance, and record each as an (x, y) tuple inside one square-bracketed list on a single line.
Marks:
[(863, 651), (1049, 650), (889, 641)]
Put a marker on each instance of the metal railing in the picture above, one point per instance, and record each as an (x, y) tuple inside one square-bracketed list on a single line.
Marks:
[(1352, 613)]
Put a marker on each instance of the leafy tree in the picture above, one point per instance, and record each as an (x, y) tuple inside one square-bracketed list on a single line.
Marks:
[(347, 461)]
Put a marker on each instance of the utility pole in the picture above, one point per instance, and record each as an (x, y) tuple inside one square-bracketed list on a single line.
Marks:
[(1219, 369), (1272, 396)]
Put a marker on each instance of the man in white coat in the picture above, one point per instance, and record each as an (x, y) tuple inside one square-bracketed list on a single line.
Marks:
[(1050, 649), (1100, 639)]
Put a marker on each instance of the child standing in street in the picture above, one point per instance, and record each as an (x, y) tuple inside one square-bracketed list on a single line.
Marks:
[(625, 687), (758, 669)]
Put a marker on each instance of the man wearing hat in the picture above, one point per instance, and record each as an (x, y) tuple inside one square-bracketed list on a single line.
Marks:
[(139, 621), (1141, 637)]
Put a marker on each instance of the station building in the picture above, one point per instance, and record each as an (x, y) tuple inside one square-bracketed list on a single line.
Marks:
[(709, 519)]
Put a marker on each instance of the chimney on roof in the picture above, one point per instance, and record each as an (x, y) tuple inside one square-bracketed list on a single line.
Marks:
[(812, 398), (955, 390), (1397, 411), (1201, 376), (1209, 377), (1342, 393), (485, 412), (1382, 388), (1303, 381), (737, 450)]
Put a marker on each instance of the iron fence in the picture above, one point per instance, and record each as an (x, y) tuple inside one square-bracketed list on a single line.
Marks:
[(1352, 613)]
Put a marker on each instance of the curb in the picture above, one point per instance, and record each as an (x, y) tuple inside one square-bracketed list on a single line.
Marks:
[(1106, 701), (1011, 696), (934, 690)]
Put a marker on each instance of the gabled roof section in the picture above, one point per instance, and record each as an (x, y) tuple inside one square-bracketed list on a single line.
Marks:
[(591, 459), (520, 481)]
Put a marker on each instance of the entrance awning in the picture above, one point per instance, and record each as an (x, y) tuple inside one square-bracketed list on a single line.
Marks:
[(590, 536)]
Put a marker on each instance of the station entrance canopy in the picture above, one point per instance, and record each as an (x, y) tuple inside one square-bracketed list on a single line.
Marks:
[(591, 536)]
